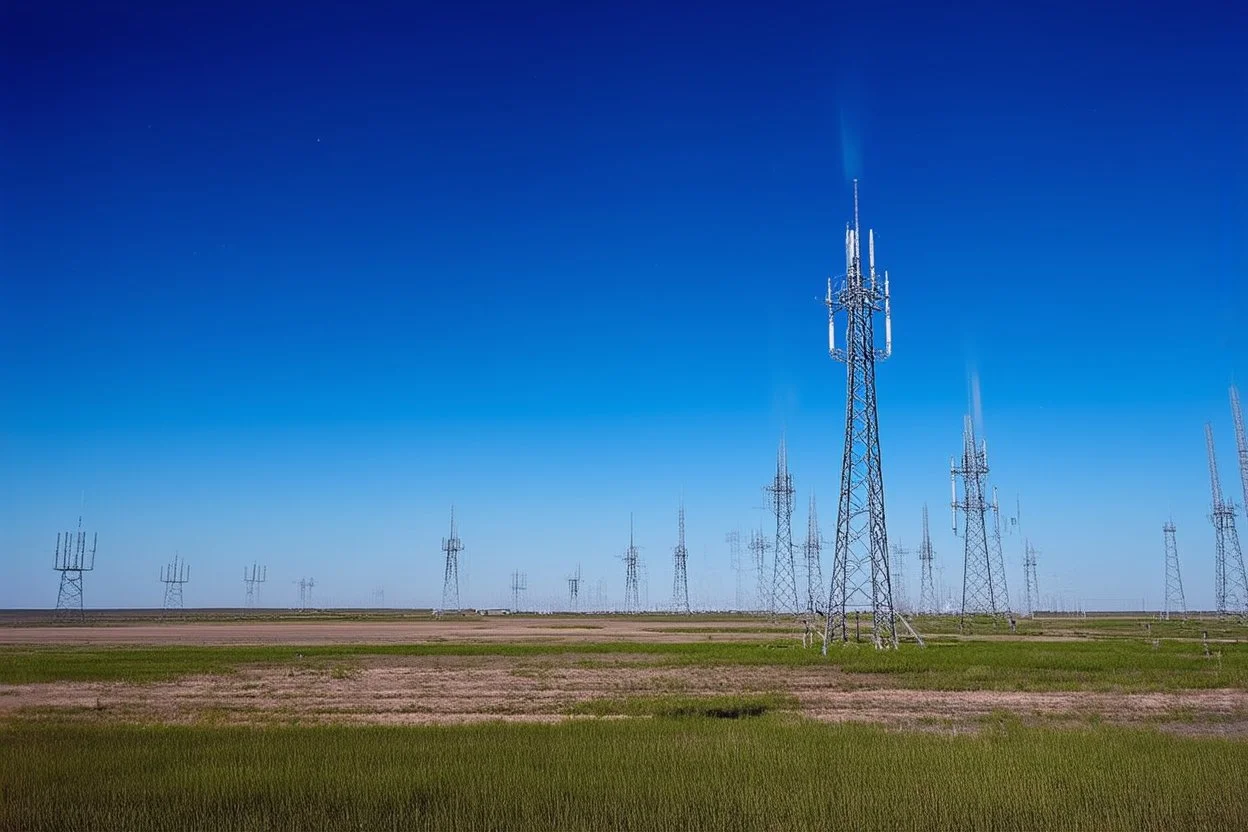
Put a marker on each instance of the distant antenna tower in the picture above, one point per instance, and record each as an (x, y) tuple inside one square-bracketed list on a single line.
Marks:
[(1175, 601), (927, 587), (452, 546), (71, 560), (574, 589), (733, 539), (784, 568), (1230, 582), (306, 585), (813, 550), (897, 569), (519, 585), (632, 596), (1241, 442), (978, 585), (758, 551), (173, 575), (997, 554), (860, 577), (680, 556), (1031, 585), (253, 578)]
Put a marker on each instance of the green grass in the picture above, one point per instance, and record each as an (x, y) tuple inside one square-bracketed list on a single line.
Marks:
[(685, 707), (1104, 664), (690, 774)]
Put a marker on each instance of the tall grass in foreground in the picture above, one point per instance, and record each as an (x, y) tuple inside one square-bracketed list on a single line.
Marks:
[(765, 773)]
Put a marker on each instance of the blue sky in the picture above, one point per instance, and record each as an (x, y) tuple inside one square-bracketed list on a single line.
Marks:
[(283, 285)]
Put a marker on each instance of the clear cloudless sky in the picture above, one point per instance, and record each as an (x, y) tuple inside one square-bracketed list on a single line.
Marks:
[(281, 283)]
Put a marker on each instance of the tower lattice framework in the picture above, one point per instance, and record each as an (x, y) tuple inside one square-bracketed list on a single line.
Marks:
[(173, 575), (758, 553), (927, 587), (860, 574), (997, 552), (1031, 585), (1230, 582), (978, 587), (813, 549), (1175, 602), (71, 560), (1241, 442), (632, 593), (680, 577), (252, 578), (451, 547), (784, 598)]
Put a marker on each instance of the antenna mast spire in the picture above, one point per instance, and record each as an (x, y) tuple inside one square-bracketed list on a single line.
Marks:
[(632, 594), (927, 587), (452, 546), (784, 568), (680, 580)]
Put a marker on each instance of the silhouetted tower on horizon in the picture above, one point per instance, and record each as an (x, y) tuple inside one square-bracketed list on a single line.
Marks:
[(252, 579), (451, 546), (632, 593), (860, 576), (978, 585), (733, 539), (574, 589), (758, 553), (306, 585), (813, 550), (1175, 602), (680, 556), (1230, 582), (1031, 584), (927, 587), (1241, 442), (784, 567), (519, 584), (173, 575), (72, 558)]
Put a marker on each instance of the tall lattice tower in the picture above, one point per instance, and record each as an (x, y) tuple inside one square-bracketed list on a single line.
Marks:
[(927, 587), (173, 575), (574, 589), (1175, 602), (733, 539), (860, 577), (519, 584), (1031, 584), (1230, 582), (997, 553), (1241, 442), (978, 586), (252, 578), (71, 560), (680, 556), (813, 549), (451, 547), (784, 567), (306, 585), (758, 553), (897, 573), (632, 593)]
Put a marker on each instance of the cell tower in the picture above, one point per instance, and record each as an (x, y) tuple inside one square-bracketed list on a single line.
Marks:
[(813, 549), (1031, 585), (680, 556), (927, 587), (452, 546), (253, 578), (71, 560), (519, 585), (978, 584), (860, 578), (632, 595), (784, 568), (758, 552), (1175, 602), (574, 589), (897, 571), (1230, 582), (173, 575), (733, 539), (1241, 441)]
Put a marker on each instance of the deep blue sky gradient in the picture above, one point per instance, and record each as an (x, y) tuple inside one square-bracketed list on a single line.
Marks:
[(281, 285)]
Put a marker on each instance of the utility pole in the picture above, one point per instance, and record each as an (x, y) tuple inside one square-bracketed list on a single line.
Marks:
[(632, 595), (72, 558), (860, 577), (1230, 582), (978, 586), (451, 546), (1175, 601), (784, 568), (173, 576), (813, 550), (680, 579), (252, 578), (758, 552), (928, 602)]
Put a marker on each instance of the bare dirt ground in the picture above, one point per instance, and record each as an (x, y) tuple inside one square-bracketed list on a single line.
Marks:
[(452, 690)]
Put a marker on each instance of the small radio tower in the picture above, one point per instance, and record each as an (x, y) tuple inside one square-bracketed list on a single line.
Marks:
[(897, 571), (813, 549), (519, 585), (927, 587), (758, 551), (257, 575), (680, 580), (452, 546), (1230, 582), (1174, 580), (784, 568), (978, 585), (860, 579), (173, 575), (1031, 585), (632, 595), (733, 539), (71, 560), (574, 589)]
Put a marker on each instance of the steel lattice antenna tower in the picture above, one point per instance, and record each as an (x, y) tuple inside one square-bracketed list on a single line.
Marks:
[(978, 586), (257, 575), (784, 567), (519, 584), (680, 579), (1241, 441), (574, 588), (997, 552), (1175, 602), (306, 585), (927, 587), (758, 552), (860, 578), (173, 575), (452, 546), (1031, 584), (71, 560), (813, 549), (1230, 582), (897, 571), (632, 595), (733, 539)]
